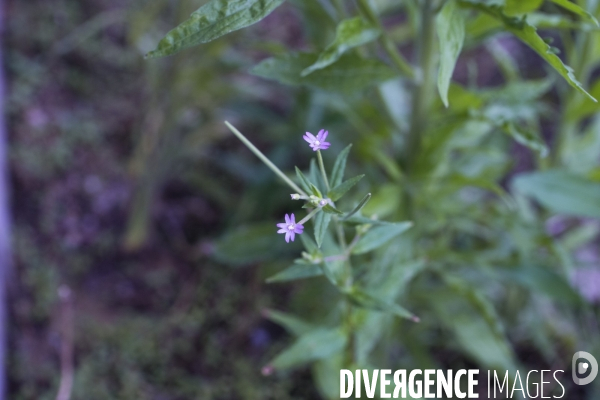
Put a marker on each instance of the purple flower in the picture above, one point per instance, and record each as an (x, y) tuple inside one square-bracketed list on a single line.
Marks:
[(290, 228), (317, 143)]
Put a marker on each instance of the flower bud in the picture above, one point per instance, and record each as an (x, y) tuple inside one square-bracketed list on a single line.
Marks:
[(295, 196)]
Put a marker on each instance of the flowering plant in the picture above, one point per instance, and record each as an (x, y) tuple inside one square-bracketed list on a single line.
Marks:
[(463, 156)]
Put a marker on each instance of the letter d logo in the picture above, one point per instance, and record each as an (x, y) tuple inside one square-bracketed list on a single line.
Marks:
[(591, 365)]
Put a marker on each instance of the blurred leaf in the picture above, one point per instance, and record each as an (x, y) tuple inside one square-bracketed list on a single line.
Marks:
[(479, 301), (526, 138), (561, 192), (249, 244), (384, 201), (363, 299), (515, 7), (304, 182), (350, 33), (292, 324), (332, 210), (340, 166), (528, 34), (315, 191), (544, 281), (311, 346), (326, 373), (309, 244), (321, 221), (358, 207), (450, 26), (350, 74), (474, 335), (380, 235), (335, 271), (212, 20), (337, 192), (574, 8), (296, 271)]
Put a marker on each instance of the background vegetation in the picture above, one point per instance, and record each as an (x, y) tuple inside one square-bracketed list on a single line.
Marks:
[(129, 191)]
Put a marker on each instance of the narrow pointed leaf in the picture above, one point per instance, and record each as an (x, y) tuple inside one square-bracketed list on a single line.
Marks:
[(332, 210), (321, 221), (380, 235), (366, 300), (296, 271), (315, 345), (304, 182), (574, 8), (358, 207), (214, 19), (450, 23), (337, 192), (315, 191), (350, 33), (292, 324), (561, 192), (340, 166)]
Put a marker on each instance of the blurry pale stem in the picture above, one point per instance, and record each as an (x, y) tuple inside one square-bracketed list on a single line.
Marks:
[(322, 168), (358, 207), (309, 216), (264, 159), (386, 41)]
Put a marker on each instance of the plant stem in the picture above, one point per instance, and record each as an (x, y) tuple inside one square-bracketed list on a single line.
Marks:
[(309, 216), (322, 168), (424, 85), (388, 44), (264, 159)]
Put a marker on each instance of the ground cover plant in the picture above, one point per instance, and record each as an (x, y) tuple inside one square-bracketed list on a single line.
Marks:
[(400, 184)]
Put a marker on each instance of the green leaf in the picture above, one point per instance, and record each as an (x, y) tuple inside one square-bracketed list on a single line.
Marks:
[(366, 300), (296, 271), (561, 192), (526, 138), (340, 166), (543, 281), (351, 74), (315, 191), (315, 345), (337, 192), (358, 207), (249, 244), (528, 35), (332, 210), (380, 235), (304, 182), (475, 335), (321, 221), (292, 324), (574, 8), (308, 243), (350, 33), (212, 20), (450, 24), (516, 7)]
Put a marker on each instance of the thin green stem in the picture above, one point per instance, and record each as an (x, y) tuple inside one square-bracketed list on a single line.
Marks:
[(388, 44), (322, 168), (424, 85), (309, 216), (264, 159)]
